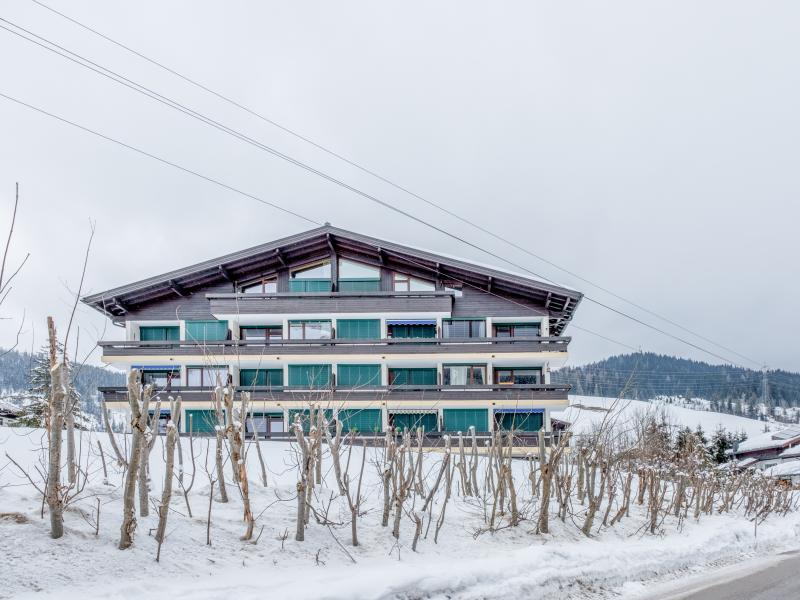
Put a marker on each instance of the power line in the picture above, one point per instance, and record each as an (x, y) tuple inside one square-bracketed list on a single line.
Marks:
[(238, 191), (390, 182), (116, 77), (160, 159)]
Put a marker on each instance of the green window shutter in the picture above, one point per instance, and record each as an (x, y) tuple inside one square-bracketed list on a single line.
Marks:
[(520, 421), (159, 334), (363, 420), (359, 285), (413, 376), (203, 421), (413, 331), (412, 421), (261, 377), (304, 418), (461, 419), (358, 329), (310, 376), (358, 375), (309, 285), (206, 330)]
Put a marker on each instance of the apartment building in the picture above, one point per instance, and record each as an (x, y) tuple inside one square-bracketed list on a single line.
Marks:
[(382, 335)]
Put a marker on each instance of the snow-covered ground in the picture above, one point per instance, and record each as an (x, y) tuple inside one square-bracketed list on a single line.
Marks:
[(586, 411), (511, 563)]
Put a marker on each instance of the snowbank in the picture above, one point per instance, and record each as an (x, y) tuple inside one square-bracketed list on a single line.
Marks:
[(512, 563), (586, 411)]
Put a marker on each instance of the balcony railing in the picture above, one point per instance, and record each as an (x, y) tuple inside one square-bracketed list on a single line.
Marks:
[(330, 302), (338, 346), (370, 393)]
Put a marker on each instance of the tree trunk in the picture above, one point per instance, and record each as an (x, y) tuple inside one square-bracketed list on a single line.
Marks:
[(112, 438), (54, 500), (166, 494), (138, 425)]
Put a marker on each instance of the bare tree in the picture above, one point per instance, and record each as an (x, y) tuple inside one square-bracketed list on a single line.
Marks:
[(166, 494), (138, 404)]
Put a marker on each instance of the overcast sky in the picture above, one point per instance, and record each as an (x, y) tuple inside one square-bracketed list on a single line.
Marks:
[(651, 147)]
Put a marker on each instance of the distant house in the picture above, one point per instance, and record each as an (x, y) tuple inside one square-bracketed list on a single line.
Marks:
[(769, 449), (785, 471)]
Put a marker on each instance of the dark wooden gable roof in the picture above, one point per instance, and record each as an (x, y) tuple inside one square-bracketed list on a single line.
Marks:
[(320, 243)]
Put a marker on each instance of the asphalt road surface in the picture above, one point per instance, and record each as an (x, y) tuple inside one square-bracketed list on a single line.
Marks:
[(778, 580)]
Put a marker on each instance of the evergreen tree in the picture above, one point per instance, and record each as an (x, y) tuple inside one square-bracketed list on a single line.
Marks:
[(684, 439), (35, 411), (721, 442)]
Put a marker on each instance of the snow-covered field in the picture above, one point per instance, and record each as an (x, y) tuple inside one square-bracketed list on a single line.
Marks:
[(511, 563), (586, 411)]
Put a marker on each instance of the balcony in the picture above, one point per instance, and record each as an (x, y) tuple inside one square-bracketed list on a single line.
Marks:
[(335, 347), (431, 393), (331, 302)]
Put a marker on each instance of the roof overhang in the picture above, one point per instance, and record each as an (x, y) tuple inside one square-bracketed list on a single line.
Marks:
[(319, 243)]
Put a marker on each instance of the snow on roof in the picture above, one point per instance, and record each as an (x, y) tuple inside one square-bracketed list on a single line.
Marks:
[(791, 452), (746, 462), (784, 469), (7, 406), (770, 439)]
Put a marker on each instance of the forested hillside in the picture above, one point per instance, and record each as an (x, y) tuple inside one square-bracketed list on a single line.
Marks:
[(15, 369), (646, 376)]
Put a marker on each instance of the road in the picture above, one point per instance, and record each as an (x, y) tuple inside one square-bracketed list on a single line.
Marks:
[(770, 579)]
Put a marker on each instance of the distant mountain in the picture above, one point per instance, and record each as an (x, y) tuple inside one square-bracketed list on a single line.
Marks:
[(15, 370), (727, 389)]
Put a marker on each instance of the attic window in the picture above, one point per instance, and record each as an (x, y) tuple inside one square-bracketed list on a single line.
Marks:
[(265, 286), (358, 277), (313, 278), (405, 283)]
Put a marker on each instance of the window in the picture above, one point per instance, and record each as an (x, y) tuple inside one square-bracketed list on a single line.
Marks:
[(261, 377), (159, 334), (420, 376), (358, 277), (206, 376), (316, 278), (358, 375), (161, 378), (309, 330), (411, 329), (203, 331), (309, 376), (463, 328), (523, 330), (464, 374), (258, 333), (405, 283), (456, 288), (517, 376), (358, 329), (265, 286)]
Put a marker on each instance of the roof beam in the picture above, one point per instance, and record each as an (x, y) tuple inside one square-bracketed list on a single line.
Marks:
[(225, 273), (177, 288), (281, 258), (120, 305), (549, 298)]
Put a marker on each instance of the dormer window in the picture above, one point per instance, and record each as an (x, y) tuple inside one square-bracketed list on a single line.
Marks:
[(312, 278), (406, 283)]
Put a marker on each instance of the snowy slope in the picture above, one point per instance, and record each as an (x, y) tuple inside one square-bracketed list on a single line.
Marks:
[(585, 411), (512, 563)]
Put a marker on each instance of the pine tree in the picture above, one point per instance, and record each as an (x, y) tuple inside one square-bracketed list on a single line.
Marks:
[(721, 442), (684, 439), (34, 413)]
